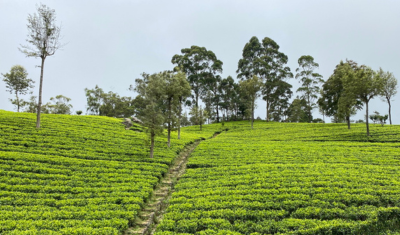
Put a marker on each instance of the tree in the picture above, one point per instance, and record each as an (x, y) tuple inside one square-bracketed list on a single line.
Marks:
[(334, 100), (17, 83), (198, 116), (94, 100), (273, 72), (309, 82), (177, 88), (364, 84), (251, 88), (249, 65), (60, 105), (198, 63), (108, 104), (151, 88), (297, 111), (44, 36), (389, 88), (279, 100), (268, 63)]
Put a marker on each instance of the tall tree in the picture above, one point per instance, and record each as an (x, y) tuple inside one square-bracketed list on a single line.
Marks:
[(309, 82), (273, 72), (389, 88), (364, 84), (227, 95), (151, 88), (198, 63), (17, 83), (251, 88), (249, 65), (44, 36)]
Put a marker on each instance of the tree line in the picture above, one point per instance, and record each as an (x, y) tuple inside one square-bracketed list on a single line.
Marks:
[(262, 73)]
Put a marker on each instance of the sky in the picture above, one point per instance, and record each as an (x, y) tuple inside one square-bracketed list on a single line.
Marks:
[(110, 43)]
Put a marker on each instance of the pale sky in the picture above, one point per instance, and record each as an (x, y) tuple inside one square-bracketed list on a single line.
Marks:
[(110, 43)]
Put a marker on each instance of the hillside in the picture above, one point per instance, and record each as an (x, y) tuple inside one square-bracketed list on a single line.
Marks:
[(286, 178), (78, 174)]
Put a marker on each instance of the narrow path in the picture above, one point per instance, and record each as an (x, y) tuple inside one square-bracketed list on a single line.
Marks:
[(154, 209)]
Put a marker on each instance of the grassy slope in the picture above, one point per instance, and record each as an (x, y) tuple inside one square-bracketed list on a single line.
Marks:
[(283, 178), (77, 174)]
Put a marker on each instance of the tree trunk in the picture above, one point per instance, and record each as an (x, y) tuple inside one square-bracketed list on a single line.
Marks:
[(39, 108), (179, 118), (366, 117), (152, 135), (390, 115), (252, 114), (217, 114), (169, 123), (16, 94), (267, 109), (348, 122)]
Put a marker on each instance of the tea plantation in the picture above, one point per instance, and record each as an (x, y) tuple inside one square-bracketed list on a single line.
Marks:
[(290, 178), (78, 174)]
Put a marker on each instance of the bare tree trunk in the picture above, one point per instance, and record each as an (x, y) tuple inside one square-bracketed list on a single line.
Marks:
[(348, 122), (217, 114), (267, 109), (252, 114), (366, 117), (152, 135), (390, 115), (169, 123), (16, 94), (179, 118), (39, 108)]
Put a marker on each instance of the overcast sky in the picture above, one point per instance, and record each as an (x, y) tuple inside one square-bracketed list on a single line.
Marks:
[(110, 43)]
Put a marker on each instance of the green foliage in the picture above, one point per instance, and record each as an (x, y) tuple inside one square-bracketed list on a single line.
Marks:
[(60, 105), (17, 83), (199, 64), (268, 63), (251, 89), (309, 82), (389, 88), (108, 104), (289, 178), (198, 116)]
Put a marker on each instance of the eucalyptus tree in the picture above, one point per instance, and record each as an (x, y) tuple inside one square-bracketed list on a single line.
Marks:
[(251, 88), (199, 64), (364, 84), (44, 36), (17, 83), (152, 89), (274, 72), (309, 80), (249, 64), (389, 88), (264, 60)]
